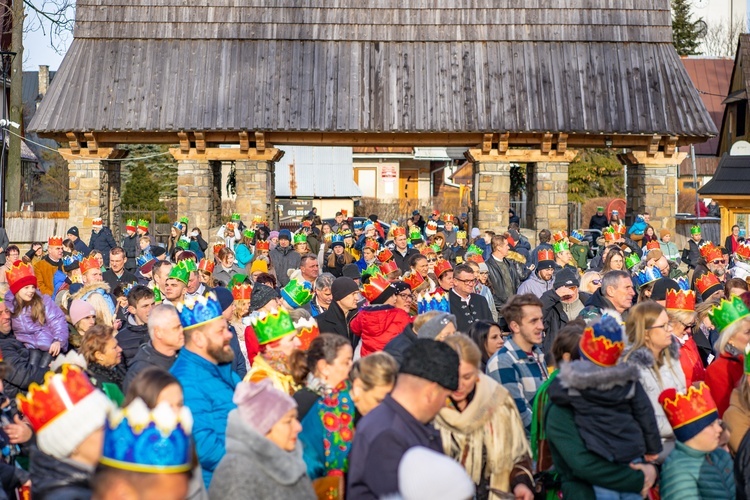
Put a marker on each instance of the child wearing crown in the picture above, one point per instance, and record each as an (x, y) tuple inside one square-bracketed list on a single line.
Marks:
[(37, 321)]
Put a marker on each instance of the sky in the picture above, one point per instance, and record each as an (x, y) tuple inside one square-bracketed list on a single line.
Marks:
[(37, 46)]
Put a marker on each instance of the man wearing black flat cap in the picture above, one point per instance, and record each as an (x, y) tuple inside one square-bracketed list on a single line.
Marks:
[(343, 308), (428, 374)]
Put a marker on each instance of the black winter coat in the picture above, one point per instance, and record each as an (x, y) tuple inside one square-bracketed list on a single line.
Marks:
[(145, 357), (466, 314), (402, 261), (598, 222), (104, 242), (400, 343), (334, 321), (132, 249), (52, 479), (612, 411), (555, 317), (130, 339), (742, 469), (21, 374), (497, 283), (694, 253)]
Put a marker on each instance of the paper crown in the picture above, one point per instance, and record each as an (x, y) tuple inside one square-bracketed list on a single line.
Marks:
[(337, 239), (197, 311), (346, 234), (442, 266), (181, 271), (184, 220), (647, 275), (306, 223), (248, 233), (415, 233), (474, 249), (143, 224), (137, 439), (299, 238), (680, 300), (653, 245), (695, 230), (128, 288), (141, 260), (20, 275), (576, 236), (413, 280), (743, 251), (372, 245), (257, 218), (460, 235), (307, 330), (235, 217), (447, 217), (359, 224), (88, 264), (511, 241), (344, 212), (217, 248), (545, 255), (707, 285), (262, 245), (683, 283), (55, 241), (242, 291), (130, 225), (427, 302), (747, 359), (714, 254), (561, 246), (385, 255), (601, 343), (632, 260), (297, 293), (427, 250), (705, 248), (435, 248), (177, 225), (399, 231), (97, 221), (388, 267), (727, 313), (375, 287), (370, 271), (559, 236), (620, 229), (183, 242), (689, 413), (474, 257), (206, 266), (271, 326), (431, 228), (72, 262), (610, 235)]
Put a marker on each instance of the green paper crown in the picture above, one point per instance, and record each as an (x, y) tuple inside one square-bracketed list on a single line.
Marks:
[(248, 233), (237, 279), (157, 295), (130, 223), (297, 293), (561, 246), (143, 223), (184, 220), (272, 326), (728, 312), (181, 271), (414, 233), (695, 230), (235, 217), (632, 260), (191, 265), (183, 242), (299, 238), (435, 248), (474, 249), (371, 270)]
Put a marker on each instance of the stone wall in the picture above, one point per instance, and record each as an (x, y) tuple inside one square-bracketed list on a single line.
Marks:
[(255, 189), (94, 192), (651, 188), (197, 192), (492, 195), (548, 200)]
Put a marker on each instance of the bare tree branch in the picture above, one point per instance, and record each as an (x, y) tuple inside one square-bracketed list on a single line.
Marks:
[(54, 18), (721, 38)]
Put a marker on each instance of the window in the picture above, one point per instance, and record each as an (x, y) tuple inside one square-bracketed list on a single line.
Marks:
[(741, 117)]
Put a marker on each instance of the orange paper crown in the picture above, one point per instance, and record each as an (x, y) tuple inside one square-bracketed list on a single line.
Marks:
[(59, 393), (427, 250), (559, 236), (689, 413), (206, 265), (620, 229), (372, 245), (242, 292), (600, 349), (713, 254), (442, 266), (54, 241), (706, 247), (262, 245), (88, 264), (385, 255), (448, 217), (545, 255), (475, 257), (414, 280), (611, 236), (217, 248), (680, 300), (653, 245), (19, 275), (307, 330), (388, 267), (743, 251), (706, 281), (399, 231), (377, 285)]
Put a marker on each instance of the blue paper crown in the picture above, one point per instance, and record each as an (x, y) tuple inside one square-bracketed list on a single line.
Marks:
[(177, 225), (427, 302), (128, 288), (137, 439), (143, 259), (577, 235), (683, 282), (196, 311), (648, 275), (69, 259), (337, 239), (358, 224), (367, 224), (609, 326)]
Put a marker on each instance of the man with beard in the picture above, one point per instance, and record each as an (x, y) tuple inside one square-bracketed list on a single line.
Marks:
[(204, 369), (561, 305), (711, 261), (540, 281)]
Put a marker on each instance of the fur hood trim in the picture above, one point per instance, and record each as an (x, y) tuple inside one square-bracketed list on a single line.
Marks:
[(90, 288), (583, 375), (516, 257), (644, 358)]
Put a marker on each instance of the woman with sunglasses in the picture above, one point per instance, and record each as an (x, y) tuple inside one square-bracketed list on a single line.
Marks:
[(591, 281), (682, 316)]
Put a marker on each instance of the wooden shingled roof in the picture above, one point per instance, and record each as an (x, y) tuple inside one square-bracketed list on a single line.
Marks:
[(374, 66)]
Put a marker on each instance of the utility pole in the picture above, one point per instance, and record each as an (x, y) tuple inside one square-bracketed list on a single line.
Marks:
[(15, 70)]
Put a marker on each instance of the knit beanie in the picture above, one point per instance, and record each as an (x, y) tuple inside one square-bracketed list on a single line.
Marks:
[(566, 277), (273, 234), (80, 309), (262, 295), (664, 232), (261, 405), (425, 473), (474, 232), (659, 290), (224, 296), (259, 266), (432, 328), (285, 234), (351, 271), (342, 287)]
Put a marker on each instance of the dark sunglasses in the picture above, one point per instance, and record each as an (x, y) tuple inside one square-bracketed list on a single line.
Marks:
[(596, 282), (717, 262), (431, 260)]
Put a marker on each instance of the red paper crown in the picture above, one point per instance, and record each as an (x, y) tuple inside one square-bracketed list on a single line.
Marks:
[(690, 407), (427, 250), (611, 236), (510, 240), (706, 281), (377, 285), (432, 225), (545, 255), (306, 223), (475, 257), (706, 247), (20, 271), (262, 245), (206, 265), (59, 393), (559, 236), (242, 292), (388, 267), (447, 217), (97, 222), (88, 264), (680, 300), (372, 245), (653, 245), (307, 330), (600, 350), (620, 229), (55, 241), (442, 266), (414, 280), (217, 248), (743, 250), (713, 254), (399, 231), (385, 255)]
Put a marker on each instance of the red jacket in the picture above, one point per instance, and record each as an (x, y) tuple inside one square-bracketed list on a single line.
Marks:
[(378, 325), (722, 376), (691, 363)]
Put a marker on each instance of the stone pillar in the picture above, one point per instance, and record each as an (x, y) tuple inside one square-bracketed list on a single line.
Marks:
[(548, 200), (255, 189), (196, 192), (491, 195), (652, 187), (94, 186)]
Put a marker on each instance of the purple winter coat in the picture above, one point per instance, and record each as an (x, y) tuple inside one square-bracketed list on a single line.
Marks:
[(36, 336)]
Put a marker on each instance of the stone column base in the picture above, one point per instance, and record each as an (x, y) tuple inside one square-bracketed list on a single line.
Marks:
[(199, 192), (491, 195), (652, 188), (548, 202), (94, 189), (255, 189)]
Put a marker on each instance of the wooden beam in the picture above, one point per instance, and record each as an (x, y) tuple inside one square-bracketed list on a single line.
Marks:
[(91, 143), (546, 143), (227, 154), (653, 145), (244, 142), (521, 156), (644, 158), (200, 142), (670, 146), (73, 142), (562, 142), (88, 154), (184, 141), (502, 143), (260, 141), (486, 143)]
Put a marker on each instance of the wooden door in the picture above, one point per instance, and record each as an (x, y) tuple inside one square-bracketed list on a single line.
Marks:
[(408, 184)]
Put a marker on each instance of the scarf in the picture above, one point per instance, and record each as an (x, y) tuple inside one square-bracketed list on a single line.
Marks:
[(336, 412), (490, 424)]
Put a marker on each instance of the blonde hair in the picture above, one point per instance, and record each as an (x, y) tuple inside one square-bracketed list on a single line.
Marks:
[(377, 369), (728, 333), (641, 319), (587, 278), (466, 348), (684, 317), (241, 308)]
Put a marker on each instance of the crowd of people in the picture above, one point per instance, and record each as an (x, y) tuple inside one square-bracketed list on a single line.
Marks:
[(364, 360)]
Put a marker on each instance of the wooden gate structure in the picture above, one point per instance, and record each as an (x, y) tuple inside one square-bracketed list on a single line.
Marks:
[(511, 80)]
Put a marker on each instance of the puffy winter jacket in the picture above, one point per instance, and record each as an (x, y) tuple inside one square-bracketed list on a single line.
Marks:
[(131, 247), (378, 325), (32, 334), (53, 479), (284, 259), (689, 473), (145, 357), (130, 338), (23, 374), (104, 242), (742, 468), (535, 285)]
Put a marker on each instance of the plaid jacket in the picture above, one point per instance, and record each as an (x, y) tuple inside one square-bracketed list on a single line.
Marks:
[(521, 374)]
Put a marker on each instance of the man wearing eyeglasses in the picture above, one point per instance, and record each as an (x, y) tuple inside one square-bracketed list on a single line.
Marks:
[(466, 305)]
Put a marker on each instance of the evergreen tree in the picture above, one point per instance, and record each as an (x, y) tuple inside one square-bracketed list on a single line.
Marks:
[(685, 32), (595, 173), (141, 191), (163, 167)]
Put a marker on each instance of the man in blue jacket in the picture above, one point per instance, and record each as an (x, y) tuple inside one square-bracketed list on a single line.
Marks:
[(204, 369)]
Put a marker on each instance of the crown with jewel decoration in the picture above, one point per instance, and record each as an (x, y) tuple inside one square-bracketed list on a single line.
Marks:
[(206, 266), (242, 291), (388, 267), (130, 225), (299, 238), (690, 412), (272, 326), (197, 311), (143, 224), (559, 236), (601, 342), (561, 246), (460, 235), (262, 245), (714, 254), (20, 275), (610, 235), (632, 260), (181, 271), (248, 233), (297, 293), (359, 224), (235, 217), (680, 300), (743, 251), (372, 245), (156, 441), (707, 285), (437, 301), (442, 266), (413, 280), (385, 255), (337, 239), (88, 264), (307, 330), (647, 275), (415, 234), (375, 287), (695, 230), (728, 312), (399, 231)]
